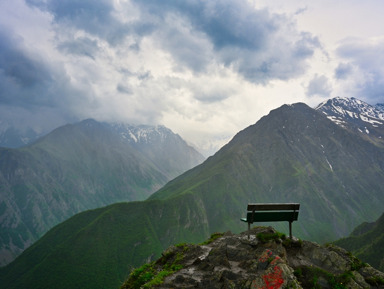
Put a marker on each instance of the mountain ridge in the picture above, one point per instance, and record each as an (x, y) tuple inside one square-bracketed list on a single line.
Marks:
[(367, 242), (294, 154), (74, 168)]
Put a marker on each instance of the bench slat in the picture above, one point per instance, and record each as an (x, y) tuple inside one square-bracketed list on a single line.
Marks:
[(273, 207), (271, 217)]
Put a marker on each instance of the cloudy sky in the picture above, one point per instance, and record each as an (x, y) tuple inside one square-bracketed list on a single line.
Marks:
[(205, 69)]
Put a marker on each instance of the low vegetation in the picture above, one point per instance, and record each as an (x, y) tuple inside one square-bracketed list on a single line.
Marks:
[(266, 237), (213, 237), (153, 273)]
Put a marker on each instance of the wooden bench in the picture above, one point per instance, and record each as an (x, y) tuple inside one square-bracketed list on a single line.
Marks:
[(272, 213)]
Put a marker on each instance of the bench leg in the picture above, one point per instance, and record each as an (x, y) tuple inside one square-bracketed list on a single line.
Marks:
[(290, 230), (249, 229)]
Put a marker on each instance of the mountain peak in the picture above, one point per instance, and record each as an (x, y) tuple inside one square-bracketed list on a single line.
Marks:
[(144, 134), (356, 115), (352, 108), (267, 260)]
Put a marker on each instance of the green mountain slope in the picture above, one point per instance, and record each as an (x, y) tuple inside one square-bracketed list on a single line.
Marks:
[(295, 154), (367, 243), (74, 168), (97, 249)]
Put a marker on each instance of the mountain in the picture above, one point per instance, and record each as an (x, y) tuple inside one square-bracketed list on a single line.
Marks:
[(168, 151), (294, 154), (13, 137), (79, 167), (267, 260), (367, 242), (356, 116), (98, 248)]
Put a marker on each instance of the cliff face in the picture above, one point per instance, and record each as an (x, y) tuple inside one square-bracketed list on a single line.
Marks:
[(266, 260)]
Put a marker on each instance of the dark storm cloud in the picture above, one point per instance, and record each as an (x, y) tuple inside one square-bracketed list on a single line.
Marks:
[(319, 85), (22, 77), (82, 46), (86, 14), (255, 43), (122, 88), (259, 45), (343, 70), (31, 86), (366, 60), (92, 16), (227, 23)]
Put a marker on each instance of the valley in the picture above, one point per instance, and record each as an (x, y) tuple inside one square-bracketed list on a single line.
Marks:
[(293, 154)]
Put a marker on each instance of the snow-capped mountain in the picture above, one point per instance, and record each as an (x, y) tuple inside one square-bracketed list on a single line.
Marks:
[(142, 134), (165, 148), (380, 107), (356, 115), (82, 166)]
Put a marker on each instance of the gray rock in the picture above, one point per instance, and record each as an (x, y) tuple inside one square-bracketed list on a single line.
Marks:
[(233, 261)]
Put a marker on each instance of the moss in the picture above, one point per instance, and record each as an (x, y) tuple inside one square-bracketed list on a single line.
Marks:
[(140, 276), (310, 278), (357, 264), (213, 237), (298, 273), (266, 237), (289, 243), (154, 273), (375, 280), (182, 245)]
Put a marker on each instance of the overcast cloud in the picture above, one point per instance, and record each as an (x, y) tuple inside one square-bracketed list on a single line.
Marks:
[(205, 69)]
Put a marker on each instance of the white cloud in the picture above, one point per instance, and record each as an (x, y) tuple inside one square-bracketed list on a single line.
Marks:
[(363, 61), (205, 69)]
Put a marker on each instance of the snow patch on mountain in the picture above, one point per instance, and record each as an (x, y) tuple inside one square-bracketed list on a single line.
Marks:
[(355, 114), (142, 134), (342, 107)]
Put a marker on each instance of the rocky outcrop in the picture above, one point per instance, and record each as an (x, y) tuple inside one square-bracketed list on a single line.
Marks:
[(266, 260)]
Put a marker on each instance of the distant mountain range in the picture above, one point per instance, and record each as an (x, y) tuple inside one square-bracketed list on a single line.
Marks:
[(367, 242), (79, 167), (294, 154), (14, 137)]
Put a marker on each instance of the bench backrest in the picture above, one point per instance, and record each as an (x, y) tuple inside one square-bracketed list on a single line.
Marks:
[(273, 207), (272, 216), (272, 212)]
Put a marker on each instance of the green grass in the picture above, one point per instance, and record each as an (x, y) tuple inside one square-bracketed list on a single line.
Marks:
[(154, 273), (375, 281), (213, 237), (309, 277), (98, 248), (266, 237)]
